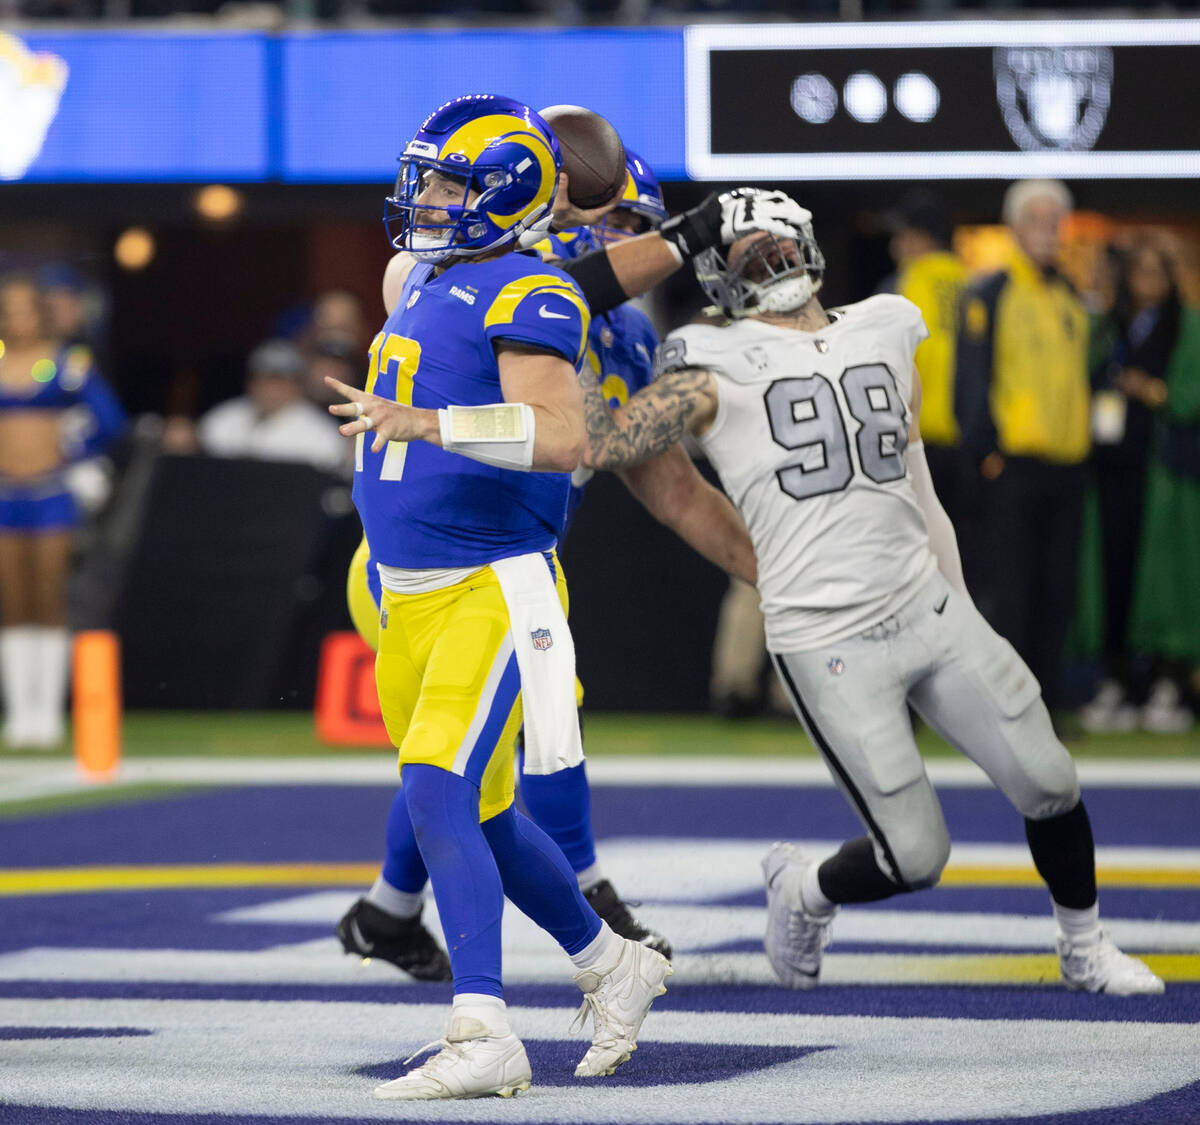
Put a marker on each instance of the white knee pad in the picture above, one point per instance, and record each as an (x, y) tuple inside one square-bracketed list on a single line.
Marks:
[(920, 855), (1047, 784)]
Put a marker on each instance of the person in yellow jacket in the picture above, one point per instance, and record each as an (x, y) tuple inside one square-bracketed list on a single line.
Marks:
[(933, 277), (1022, 402)]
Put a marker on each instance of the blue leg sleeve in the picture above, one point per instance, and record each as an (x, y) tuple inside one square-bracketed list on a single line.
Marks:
[(466, 884), (539, 881), (403, 867), (561, 806)]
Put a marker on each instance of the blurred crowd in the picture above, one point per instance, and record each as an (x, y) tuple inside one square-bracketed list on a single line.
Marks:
[(263, 13), (1061, 422), (282, 415)]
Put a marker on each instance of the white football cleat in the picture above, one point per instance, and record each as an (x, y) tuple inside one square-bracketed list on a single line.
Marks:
[(618, 1001), (1102, 967), (471, 1064), (796, 938)]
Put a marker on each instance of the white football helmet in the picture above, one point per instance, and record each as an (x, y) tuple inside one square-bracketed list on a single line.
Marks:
[(762, 273)]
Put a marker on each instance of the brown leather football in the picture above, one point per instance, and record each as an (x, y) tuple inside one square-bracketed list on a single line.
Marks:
[(592, 154)]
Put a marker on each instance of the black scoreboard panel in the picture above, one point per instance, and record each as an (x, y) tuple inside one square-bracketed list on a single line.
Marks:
[(914, 101)]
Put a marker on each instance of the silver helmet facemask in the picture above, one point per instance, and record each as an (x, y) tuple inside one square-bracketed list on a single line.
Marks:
[(770, 275)]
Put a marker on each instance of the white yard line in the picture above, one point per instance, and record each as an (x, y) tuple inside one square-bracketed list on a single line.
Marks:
[(26, 778)]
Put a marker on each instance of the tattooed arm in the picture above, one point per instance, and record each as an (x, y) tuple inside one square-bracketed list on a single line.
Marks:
[(676, 403)]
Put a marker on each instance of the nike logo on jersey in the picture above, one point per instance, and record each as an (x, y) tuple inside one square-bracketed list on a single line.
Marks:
[(941, 605), (543, 311)]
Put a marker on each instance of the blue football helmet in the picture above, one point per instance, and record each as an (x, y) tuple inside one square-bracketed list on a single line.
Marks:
[(480, 171), (641, 208)]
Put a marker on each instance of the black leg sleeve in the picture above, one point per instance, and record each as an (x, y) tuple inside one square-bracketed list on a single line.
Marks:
[(1065, 856), (852, 875)]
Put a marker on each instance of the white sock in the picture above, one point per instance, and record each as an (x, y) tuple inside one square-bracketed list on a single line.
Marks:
[(53, 657), (811, 895), (604, 950), (489, 1011), (589, 877), (1079, 927), (391, 900), (18, 669)]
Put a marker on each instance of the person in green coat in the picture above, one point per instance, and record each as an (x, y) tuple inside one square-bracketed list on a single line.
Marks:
[(1132, 347), (1165, 617)]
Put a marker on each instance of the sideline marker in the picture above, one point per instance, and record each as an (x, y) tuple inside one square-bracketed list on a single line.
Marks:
[(96, 678), (347, 706)]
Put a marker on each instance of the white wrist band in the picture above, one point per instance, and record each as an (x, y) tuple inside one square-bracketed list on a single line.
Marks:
[(500, 434)]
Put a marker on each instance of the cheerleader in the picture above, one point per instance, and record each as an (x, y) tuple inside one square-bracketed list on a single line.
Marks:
[(40, 381)]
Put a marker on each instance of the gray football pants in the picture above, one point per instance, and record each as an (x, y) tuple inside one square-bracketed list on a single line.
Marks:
[(968, 683)]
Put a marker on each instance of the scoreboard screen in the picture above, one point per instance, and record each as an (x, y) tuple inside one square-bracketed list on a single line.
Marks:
[(964, 100)]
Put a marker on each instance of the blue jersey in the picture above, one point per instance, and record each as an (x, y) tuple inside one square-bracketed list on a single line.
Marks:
[(71, 379), (620, 351), (422, 507)]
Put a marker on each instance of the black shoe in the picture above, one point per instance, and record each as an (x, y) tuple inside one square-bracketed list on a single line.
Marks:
[(369, 932), (603, 899)]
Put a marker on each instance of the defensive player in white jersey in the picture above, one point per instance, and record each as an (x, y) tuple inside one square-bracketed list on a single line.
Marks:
[(810, 419)]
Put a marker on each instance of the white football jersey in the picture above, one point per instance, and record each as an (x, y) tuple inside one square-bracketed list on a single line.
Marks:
[(809, 442)]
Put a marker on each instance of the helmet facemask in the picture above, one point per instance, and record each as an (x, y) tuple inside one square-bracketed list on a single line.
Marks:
[(762, 273), (436, 231)]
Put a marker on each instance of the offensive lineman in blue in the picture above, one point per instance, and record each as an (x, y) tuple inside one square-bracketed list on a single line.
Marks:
[(476, 412)]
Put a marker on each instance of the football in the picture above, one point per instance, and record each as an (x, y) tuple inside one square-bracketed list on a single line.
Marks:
[(592, 154)]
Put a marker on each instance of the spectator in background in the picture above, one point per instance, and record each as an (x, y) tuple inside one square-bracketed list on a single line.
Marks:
[(273, 421), (1022, 401), (337, 357), (41, 381), (338, 313), (64, 290), (933, 277), (1165, 618), (1132, 348)]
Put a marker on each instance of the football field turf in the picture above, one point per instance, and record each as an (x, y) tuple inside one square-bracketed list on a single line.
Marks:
[(167, 955)]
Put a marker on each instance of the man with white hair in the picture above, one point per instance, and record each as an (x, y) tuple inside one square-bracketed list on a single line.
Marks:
[(1023, 403)]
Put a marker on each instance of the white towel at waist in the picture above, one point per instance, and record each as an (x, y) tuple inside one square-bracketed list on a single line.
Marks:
[(546, 661)]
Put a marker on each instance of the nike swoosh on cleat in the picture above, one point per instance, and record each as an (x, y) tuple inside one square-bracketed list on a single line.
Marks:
[(942, 605), (543, 311), (365, 946)]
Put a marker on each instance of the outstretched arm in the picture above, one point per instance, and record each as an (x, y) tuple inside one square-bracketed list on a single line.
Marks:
[(539, 425), (672, 490), (651, 422), (634, 266)]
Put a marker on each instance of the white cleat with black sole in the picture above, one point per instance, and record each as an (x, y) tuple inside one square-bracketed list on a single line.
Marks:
[(796, 938), (618, 1002), (471, 1064), (1101, 967)]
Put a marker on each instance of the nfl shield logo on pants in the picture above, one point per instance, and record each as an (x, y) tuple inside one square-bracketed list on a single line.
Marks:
[(542, 639)]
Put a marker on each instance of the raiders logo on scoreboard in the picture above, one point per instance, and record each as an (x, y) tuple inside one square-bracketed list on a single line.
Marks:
[(1054, 97)]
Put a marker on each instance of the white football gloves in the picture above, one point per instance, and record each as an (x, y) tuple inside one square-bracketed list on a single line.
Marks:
[(746, 210), (721, 220)]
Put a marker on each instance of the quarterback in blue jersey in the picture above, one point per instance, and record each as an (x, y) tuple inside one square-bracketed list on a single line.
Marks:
[(40, 447), (621, 343), (476, 421)]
